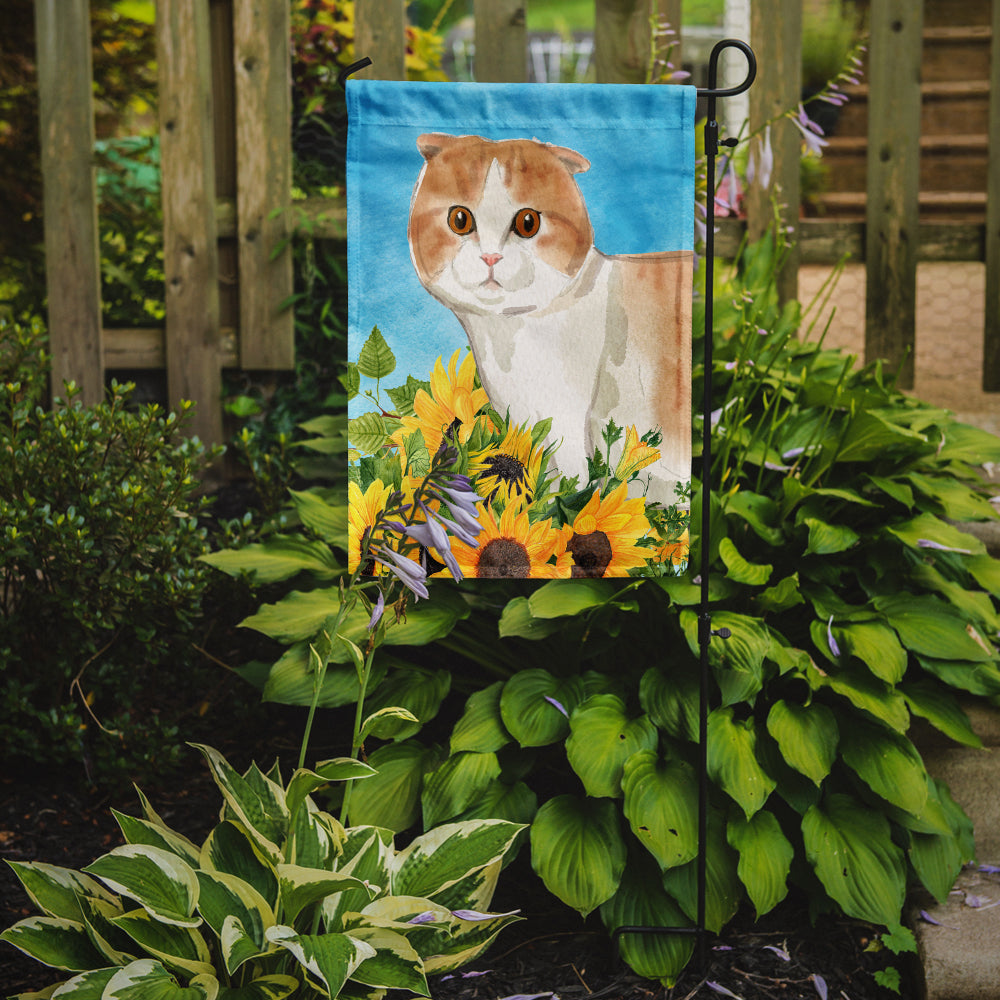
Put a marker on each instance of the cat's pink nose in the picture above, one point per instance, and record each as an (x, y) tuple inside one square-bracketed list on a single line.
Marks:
[(489, 259)]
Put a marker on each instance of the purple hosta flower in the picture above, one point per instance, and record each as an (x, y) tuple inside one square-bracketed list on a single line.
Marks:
[(552, 701), (722, 947), (377, 611), (531, 996), (411, 574), (461, 502), (475, 915), (719, 988), (760, 166), (432, 535), (834, 648), (727, 198), (990, 869), (820, 983), (927, 543), (427, 917), (465, 975), (927, 918), (811, 132), (780, 952)]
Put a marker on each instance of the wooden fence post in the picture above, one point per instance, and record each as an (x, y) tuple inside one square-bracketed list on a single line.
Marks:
[(262, 60), (190, 251), (893, 183), (776, 34), (501, 41), (621, 40), (72, 255), (991, 333), (380, 34)]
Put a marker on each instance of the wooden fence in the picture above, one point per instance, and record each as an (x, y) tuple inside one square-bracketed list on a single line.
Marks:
[(226, 161)]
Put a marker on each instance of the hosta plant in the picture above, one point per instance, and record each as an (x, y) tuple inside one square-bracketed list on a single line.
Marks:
[(279, 900)]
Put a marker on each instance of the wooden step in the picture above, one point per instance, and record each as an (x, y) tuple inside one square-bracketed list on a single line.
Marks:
[(957, 206), (947, 162), (940, 13), (956, 53)]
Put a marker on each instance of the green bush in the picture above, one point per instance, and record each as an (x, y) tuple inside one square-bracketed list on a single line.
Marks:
[(99, 542)]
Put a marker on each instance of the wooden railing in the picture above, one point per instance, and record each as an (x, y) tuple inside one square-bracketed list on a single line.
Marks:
[(226, 161)]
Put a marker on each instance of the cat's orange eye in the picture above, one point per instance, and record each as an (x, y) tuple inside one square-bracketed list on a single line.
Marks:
[(461, 220), (526, 223)]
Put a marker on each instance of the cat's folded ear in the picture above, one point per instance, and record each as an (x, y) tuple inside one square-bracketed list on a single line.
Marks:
[(569, 158), (432, 143)]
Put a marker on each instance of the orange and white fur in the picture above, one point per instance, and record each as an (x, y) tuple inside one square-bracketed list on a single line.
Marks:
[(499, 232)]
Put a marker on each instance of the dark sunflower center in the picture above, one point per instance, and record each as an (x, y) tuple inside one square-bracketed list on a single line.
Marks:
[(503, 558), (509, 470), (591, 554)]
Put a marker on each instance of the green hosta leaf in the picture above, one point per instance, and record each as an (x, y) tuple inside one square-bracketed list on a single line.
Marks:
[(578, 851), (850, 847), (395, 964), (827, 539), (758, 511), (230, 849), (225, 897), (164, 885), (932, 628), (141, 831), (559, 598), (870, 435), (330, 959), (261, 809), (807, 736), (279, 558), (528, 714), (888, 763), (723, 889), (765, 858), (937, 859), (274, 987), (456, 784), (738, 569), (661, 798), (893, 488), (976, 678), (418, 690), (928, 528), (299, 615), (986, 572), (292, 680), (976, 605), (386, 723), (941, 709), (876, 646), (56, 891), (376, 359), (671, 700), (641, 901), (369, 432), (732, 760), (957, 501), (865, 692), (180, 948), (738, 661), (438, 859), (481, 728), (783, 595), (602, 738), (517, 620), (54, 941), (515, 803), (965, 443), (147, 979), (301, 887), (391, 798), (327, 520)]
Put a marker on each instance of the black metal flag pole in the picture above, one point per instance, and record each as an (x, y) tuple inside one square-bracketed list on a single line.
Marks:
[(705, 631)]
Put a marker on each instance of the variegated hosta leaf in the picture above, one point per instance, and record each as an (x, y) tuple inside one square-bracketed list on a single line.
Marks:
[(395, 964), (230, 849), (578, 851), (225, 897), (274, 987), (141, 831), (329, 959), (300, 887), (456, 784), (149, 980), (116, 946), (642, 902), (475, 891), (256, 801), (467, 941), (367, 853), (661, 800), (54, 941), (765, 858), (304, 782), (441, 857), (732, 760), (177, 947), (238, 944), (56, 891), (850, 847), (87, 986), (315, 838), (807, 736), (602, 737), (481, 728), (158, 880)]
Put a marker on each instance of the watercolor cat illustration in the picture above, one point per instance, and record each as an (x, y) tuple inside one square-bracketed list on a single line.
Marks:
[(499, 233)]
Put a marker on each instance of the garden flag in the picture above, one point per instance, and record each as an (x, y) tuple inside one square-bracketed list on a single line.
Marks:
[(520, 270)]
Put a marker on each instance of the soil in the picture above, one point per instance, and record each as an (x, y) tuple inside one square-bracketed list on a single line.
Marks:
[(551, 952)]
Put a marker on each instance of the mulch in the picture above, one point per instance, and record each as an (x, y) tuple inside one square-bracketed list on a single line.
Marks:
[(552, 952)]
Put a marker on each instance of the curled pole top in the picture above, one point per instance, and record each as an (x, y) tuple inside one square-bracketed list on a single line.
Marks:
[(712, 91)]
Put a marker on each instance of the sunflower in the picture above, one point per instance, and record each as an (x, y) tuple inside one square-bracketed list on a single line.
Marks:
[(509, 548), (636, 455), (509, 470), (363, 510), (602, 538), (449, 408)]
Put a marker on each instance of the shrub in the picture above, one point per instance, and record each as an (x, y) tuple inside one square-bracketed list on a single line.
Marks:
[(99, 539)]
